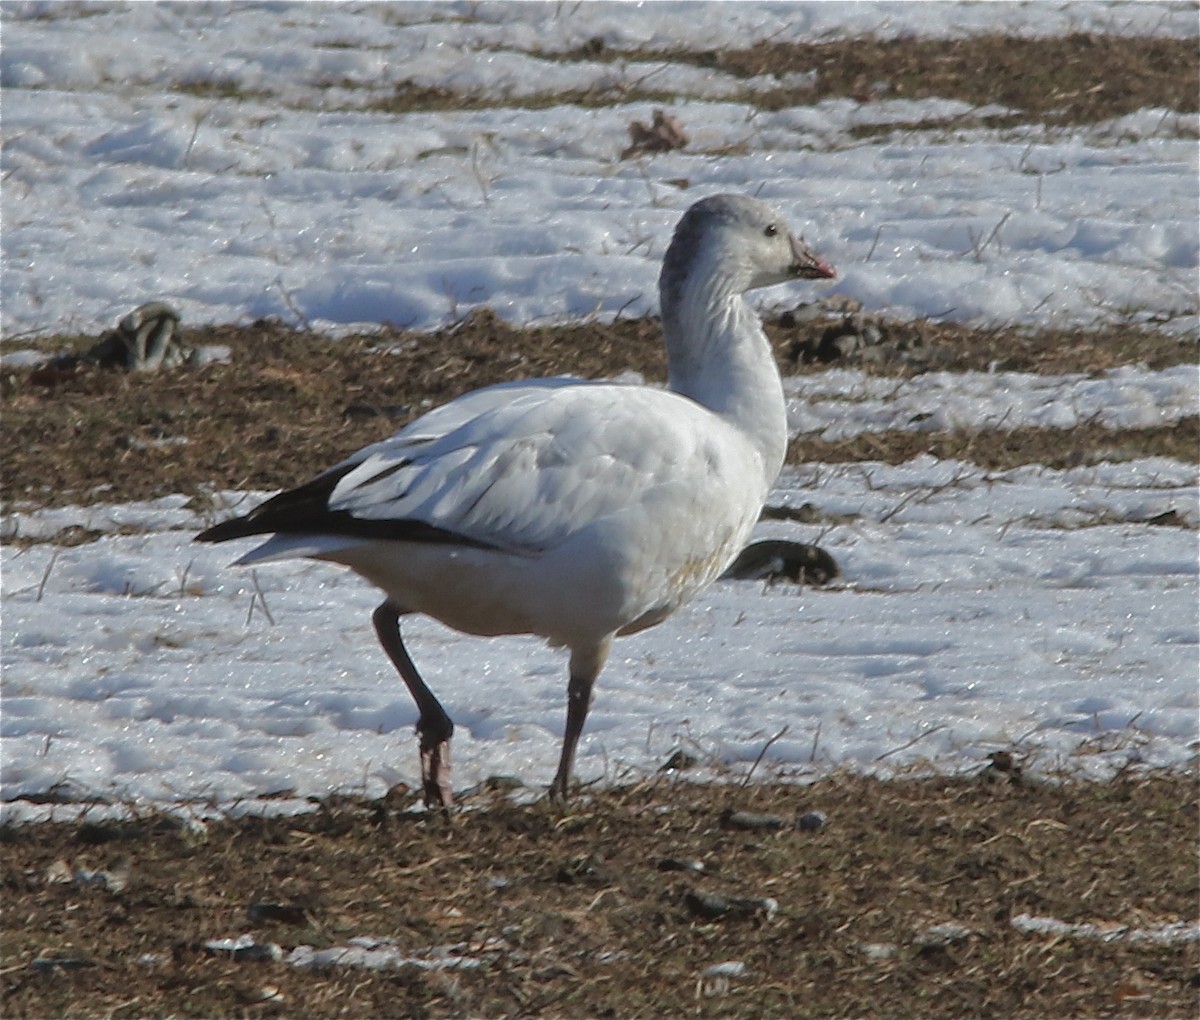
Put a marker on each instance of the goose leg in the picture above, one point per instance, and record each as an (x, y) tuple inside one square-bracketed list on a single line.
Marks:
[(585, 667), (434, 727)]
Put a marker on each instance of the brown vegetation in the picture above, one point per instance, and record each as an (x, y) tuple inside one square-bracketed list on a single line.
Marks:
[(901, 905)]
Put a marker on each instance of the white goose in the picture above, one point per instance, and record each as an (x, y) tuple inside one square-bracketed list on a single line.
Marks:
[(578, 511)]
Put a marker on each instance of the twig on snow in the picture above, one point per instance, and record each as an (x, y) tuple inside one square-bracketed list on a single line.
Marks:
[(765, 748)]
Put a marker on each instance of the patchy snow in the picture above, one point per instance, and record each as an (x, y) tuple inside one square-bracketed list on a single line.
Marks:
[(1051, 610), (978, 610), (846, 402), (178, 162), (1166, 934)]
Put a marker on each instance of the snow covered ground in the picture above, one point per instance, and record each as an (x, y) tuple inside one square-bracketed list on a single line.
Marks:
[(977, 610), (131, 175)]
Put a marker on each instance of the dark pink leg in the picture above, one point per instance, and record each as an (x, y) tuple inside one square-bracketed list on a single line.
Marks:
[(585, 667), (433, 724)]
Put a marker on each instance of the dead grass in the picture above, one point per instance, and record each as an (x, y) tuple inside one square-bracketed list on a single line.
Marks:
[(575, 912), (1067, 80), (1077, 79), (1000, 450), (1074, 79), (292, 400)]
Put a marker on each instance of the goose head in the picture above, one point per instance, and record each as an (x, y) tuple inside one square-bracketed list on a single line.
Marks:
[(736, 244)]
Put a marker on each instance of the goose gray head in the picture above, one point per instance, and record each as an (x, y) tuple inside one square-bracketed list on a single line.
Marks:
[(739, 243)]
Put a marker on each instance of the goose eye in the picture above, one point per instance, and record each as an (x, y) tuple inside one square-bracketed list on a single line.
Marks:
[(771, 230)]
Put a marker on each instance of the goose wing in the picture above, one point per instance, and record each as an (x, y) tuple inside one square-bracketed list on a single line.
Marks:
[(517, 467)]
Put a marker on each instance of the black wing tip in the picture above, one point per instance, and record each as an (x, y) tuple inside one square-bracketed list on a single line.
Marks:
[(340, 523), (290, 510), (236, 527)]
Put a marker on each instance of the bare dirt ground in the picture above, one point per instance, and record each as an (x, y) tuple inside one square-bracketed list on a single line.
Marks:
[(908, 901), (911, 900)]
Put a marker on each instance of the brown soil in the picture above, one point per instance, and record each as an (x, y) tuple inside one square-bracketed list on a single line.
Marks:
[(577, 912)]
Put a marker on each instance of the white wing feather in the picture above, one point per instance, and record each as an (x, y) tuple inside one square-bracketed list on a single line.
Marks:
[(524, 467)]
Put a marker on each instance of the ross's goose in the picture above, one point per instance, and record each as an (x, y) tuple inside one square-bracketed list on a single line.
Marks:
[(578, 511)]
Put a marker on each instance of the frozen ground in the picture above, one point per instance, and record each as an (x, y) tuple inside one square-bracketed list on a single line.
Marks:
[(130, 173), (978, 610)]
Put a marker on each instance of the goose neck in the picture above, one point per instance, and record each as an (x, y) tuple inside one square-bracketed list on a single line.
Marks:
[(719, 356)]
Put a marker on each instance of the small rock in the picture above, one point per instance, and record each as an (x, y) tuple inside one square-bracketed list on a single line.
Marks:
[(941, 935), (751, 820), (59, 873), (277, 913), (811, 821), (150, 336), (245, 949), (145, 340), (879, 951), (678, 864), (778, 559), (713, 906)]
